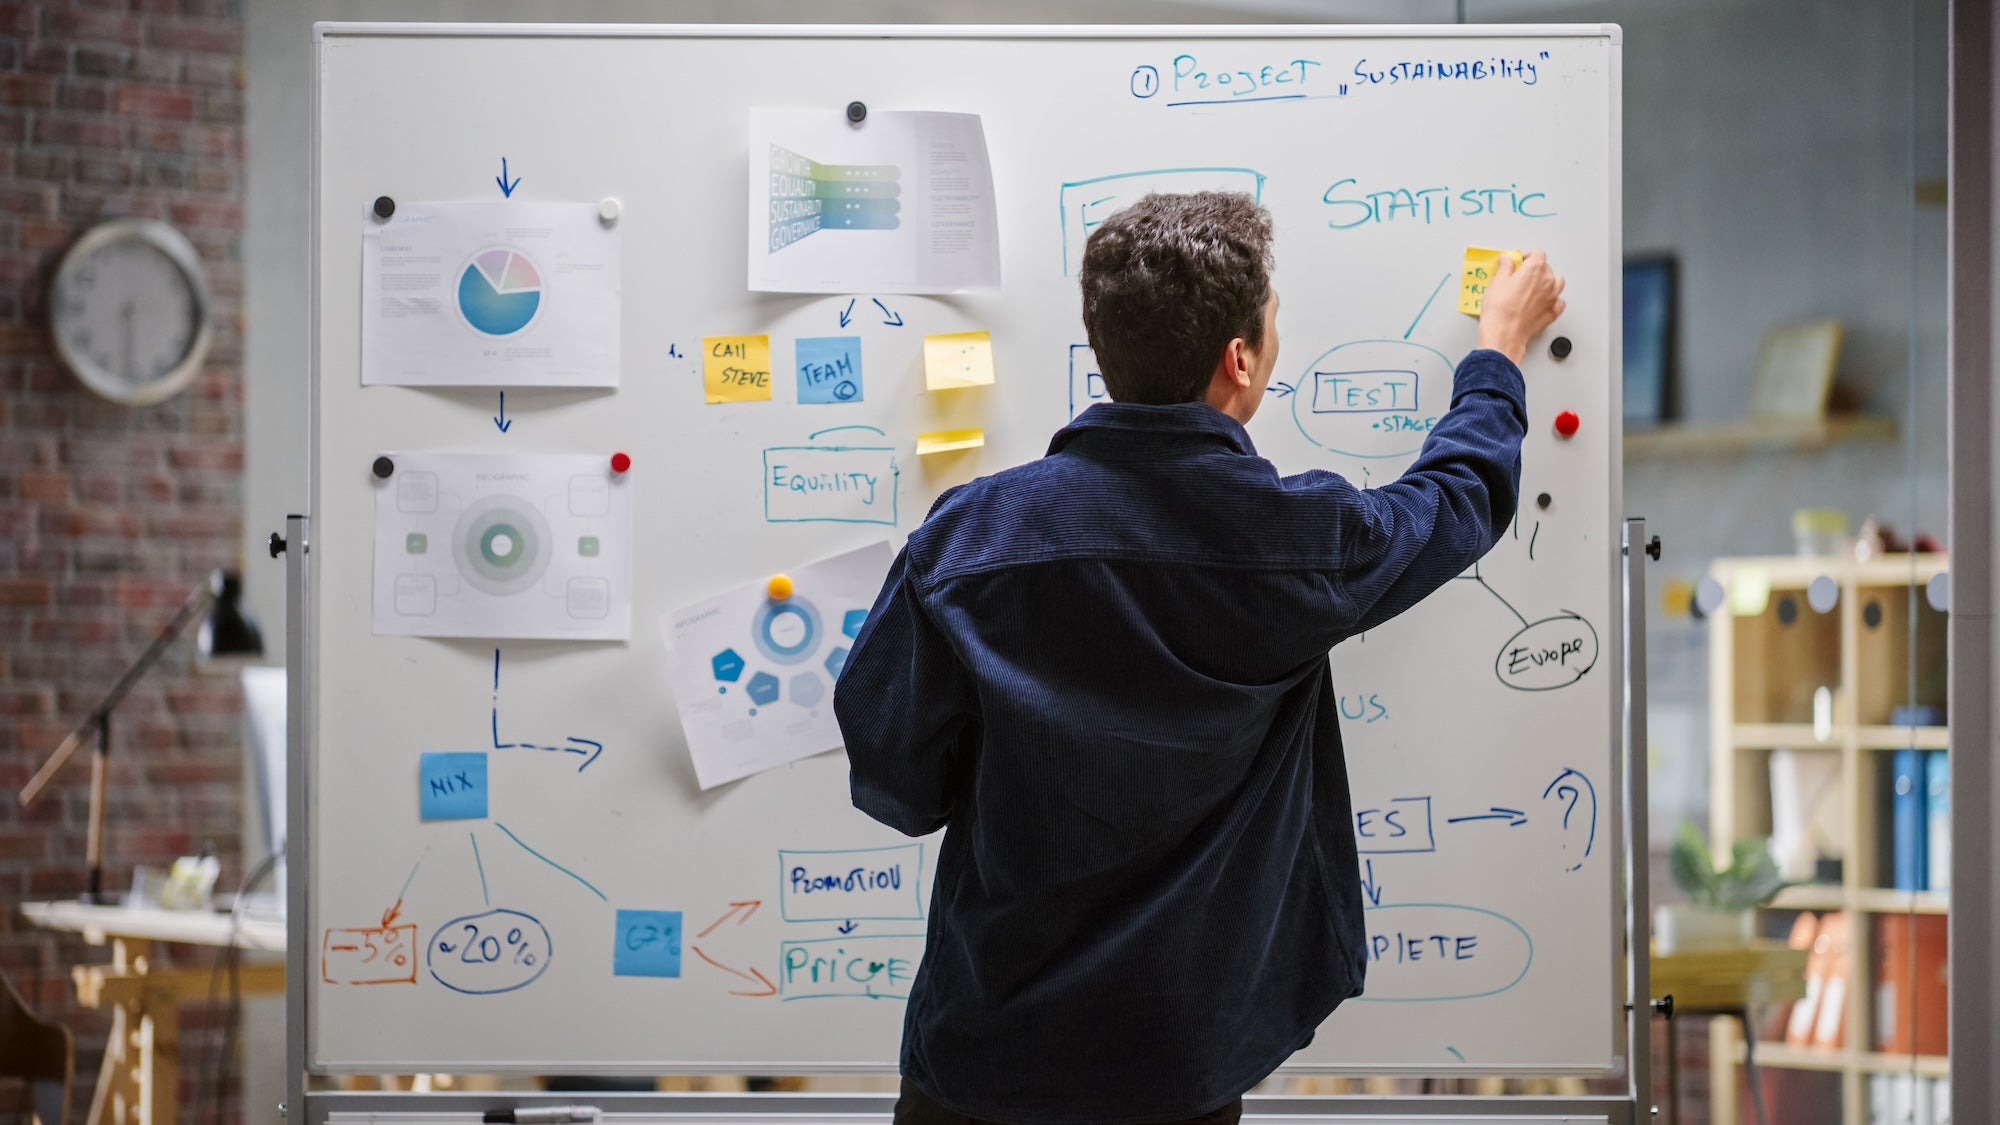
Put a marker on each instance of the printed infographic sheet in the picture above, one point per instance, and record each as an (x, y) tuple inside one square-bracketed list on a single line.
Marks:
[(499, 293), (753, 674), (502, 545), (899, 203)]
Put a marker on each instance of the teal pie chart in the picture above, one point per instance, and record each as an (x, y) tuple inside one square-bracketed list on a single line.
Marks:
[(500, 291)]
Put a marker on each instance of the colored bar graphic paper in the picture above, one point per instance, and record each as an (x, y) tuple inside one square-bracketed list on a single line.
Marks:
[(736, 368), (1480, 263), (953, 360), (946, 441)]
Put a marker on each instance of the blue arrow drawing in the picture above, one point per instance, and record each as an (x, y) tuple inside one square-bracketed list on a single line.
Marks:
[(847, 927), (1370, 887), (847, 313), (1515, 818), (506, 186), (501, 421), (893, 320)]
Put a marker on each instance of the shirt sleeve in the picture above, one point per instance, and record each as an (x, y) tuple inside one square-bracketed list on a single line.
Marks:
[(905, 707), (1402, 541)]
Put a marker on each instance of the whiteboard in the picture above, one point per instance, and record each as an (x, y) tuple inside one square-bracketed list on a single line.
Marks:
[(1486, 812)]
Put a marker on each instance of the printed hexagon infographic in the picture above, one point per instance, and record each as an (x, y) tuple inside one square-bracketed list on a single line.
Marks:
[(728, 665), (763, 689)]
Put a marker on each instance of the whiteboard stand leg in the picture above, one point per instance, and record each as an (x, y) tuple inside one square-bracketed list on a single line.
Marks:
[(1637, 548), (298, 775)]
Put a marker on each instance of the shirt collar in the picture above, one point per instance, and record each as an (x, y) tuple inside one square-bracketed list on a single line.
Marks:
[(1184, 419)]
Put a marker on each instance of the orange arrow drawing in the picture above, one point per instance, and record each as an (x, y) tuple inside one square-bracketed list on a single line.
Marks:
[(747, 908), (758, 977), (389, 915)]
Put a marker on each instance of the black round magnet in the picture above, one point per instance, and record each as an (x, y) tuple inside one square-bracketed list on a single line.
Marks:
[(383, 467), (1788, 610), (1559, 347), (856, 113), (1871, 614), (1543, 501), (384, 207)]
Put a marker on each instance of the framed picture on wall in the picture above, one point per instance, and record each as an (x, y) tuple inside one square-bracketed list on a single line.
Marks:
[(1652, 314)]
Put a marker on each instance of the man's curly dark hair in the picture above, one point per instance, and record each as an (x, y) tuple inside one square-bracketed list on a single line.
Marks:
[(1167, 283)]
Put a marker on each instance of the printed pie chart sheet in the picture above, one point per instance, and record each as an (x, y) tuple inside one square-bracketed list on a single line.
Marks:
[(500, 293)]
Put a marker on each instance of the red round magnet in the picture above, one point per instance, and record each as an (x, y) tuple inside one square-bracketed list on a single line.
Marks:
[(621, 462), (1567, 422)]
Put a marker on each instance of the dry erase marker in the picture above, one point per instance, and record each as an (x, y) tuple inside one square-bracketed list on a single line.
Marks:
[(541, 1115)]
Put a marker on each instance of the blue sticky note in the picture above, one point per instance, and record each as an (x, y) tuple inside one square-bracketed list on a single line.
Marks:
[(649, 944), (829, 369), (453, 785)]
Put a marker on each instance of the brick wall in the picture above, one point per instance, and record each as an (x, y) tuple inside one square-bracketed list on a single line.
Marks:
[(108, 514)]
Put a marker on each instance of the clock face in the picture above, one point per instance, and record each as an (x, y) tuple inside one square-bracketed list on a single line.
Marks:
[(129, 311)]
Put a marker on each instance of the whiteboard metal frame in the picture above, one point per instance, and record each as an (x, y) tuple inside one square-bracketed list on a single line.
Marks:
[(1631, 1045)]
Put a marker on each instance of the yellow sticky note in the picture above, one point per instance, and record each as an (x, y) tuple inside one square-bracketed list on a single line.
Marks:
[(944, 441), (958, 359), (736, 368), (1479, 265)]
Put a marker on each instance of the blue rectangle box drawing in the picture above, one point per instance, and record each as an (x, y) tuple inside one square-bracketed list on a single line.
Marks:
[(649, 944), (452, 785), (1087, 203), (830, 484), (859, 885)]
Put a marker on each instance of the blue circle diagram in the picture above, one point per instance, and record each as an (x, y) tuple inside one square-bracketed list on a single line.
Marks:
[(786, 632), (1372, 399), (500, 291)]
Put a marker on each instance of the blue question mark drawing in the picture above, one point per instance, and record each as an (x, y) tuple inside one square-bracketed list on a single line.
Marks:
[(1572, 786)]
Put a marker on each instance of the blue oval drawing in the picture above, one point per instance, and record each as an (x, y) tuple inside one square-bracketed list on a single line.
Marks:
[(481, 954), (1552, 653), (1428, 951)]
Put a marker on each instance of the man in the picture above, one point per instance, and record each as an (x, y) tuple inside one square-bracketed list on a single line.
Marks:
[(1105, 673)]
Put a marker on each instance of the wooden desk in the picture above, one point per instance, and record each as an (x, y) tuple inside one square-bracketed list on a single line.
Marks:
[(140, 1078), (1726, 982)]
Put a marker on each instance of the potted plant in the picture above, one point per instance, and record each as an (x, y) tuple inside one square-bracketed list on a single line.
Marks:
[(1717, 914)]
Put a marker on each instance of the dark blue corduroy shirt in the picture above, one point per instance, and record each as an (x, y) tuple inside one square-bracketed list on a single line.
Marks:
[(1105, 675)]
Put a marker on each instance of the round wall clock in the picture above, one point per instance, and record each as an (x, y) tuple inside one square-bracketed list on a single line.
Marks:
[(129, 311)]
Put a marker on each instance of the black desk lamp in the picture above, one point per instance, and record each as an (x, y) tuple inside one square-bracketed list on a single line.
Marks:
[(226, 634)]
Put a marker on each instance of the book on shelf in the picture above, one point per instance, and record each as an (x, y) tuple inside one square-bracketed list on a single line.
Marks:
[(1912, 988), (1909, 827), (1937, 814)]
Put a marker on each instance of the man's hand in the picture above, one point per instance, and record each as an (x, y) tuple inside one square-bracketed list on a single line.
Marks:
[(1520, 301)]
